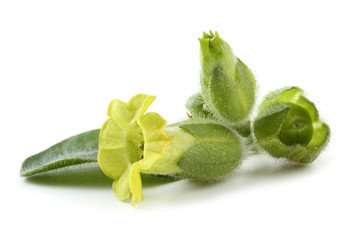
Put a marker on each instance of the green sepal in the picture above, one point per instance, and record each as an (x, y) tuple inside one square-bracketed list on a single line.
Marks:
[(274, 110), (216, 152), (268, 123), (78, 149), (293, 95)]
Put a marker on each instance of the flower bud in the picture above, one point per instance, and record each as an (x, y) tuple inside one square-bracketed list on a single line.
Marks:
[(196, 106), (228, 85), (288, 126)]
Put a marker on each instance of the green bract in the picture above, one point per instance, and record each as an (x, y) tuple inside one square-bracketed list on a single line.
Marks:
[(288, 126), (132, 142), (196, 106), (228, 85)]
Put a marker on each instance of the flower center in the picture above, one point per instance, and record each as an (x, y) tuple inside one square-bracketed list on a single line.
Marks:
[(297, 127), (141, 147)]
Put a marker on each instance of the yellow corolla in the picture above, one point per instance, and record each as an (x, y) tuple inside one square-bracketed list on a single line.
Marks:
[(131, 142)]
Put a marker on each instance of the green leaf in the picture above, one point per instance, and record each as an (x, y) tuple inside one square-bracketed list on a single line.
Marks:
[(78, 149)]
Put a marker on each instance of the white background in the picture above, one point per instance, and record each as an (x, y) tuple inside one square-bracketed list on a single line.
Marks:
[(61, 63)]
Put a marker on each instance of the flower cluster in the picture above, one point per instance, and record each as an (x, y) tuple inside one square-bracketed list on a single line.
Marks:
[(209, 145)]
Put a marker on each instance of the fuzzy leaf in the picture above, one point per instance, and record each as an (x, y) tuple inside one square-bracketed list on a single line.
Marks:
[(78, 149)]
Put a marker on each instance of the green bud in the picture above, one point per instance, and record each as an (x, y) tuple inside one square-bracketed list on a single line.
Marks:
[(196, 106), (288, 126), (228, 85)]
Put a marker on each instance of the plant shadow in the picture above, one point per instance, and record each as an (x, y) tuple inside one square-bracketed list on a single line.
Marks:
[(256, 171), (87, 175), (258, 167)]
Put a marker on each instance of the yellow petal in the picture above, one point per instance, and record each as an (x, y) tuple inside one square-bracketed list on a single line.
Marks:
[(138, 105), (155, 143), (125, 114), (121, 185), (156, 140), (135, 184), (116, 150)]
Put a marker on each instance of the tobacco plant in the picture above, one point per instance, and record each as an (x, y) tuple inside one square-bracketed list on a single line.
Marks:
[(208, 146)]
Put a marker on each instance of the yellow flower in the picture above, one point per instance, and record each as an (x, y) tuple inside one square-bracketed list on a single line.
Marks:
[(131, 142)]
